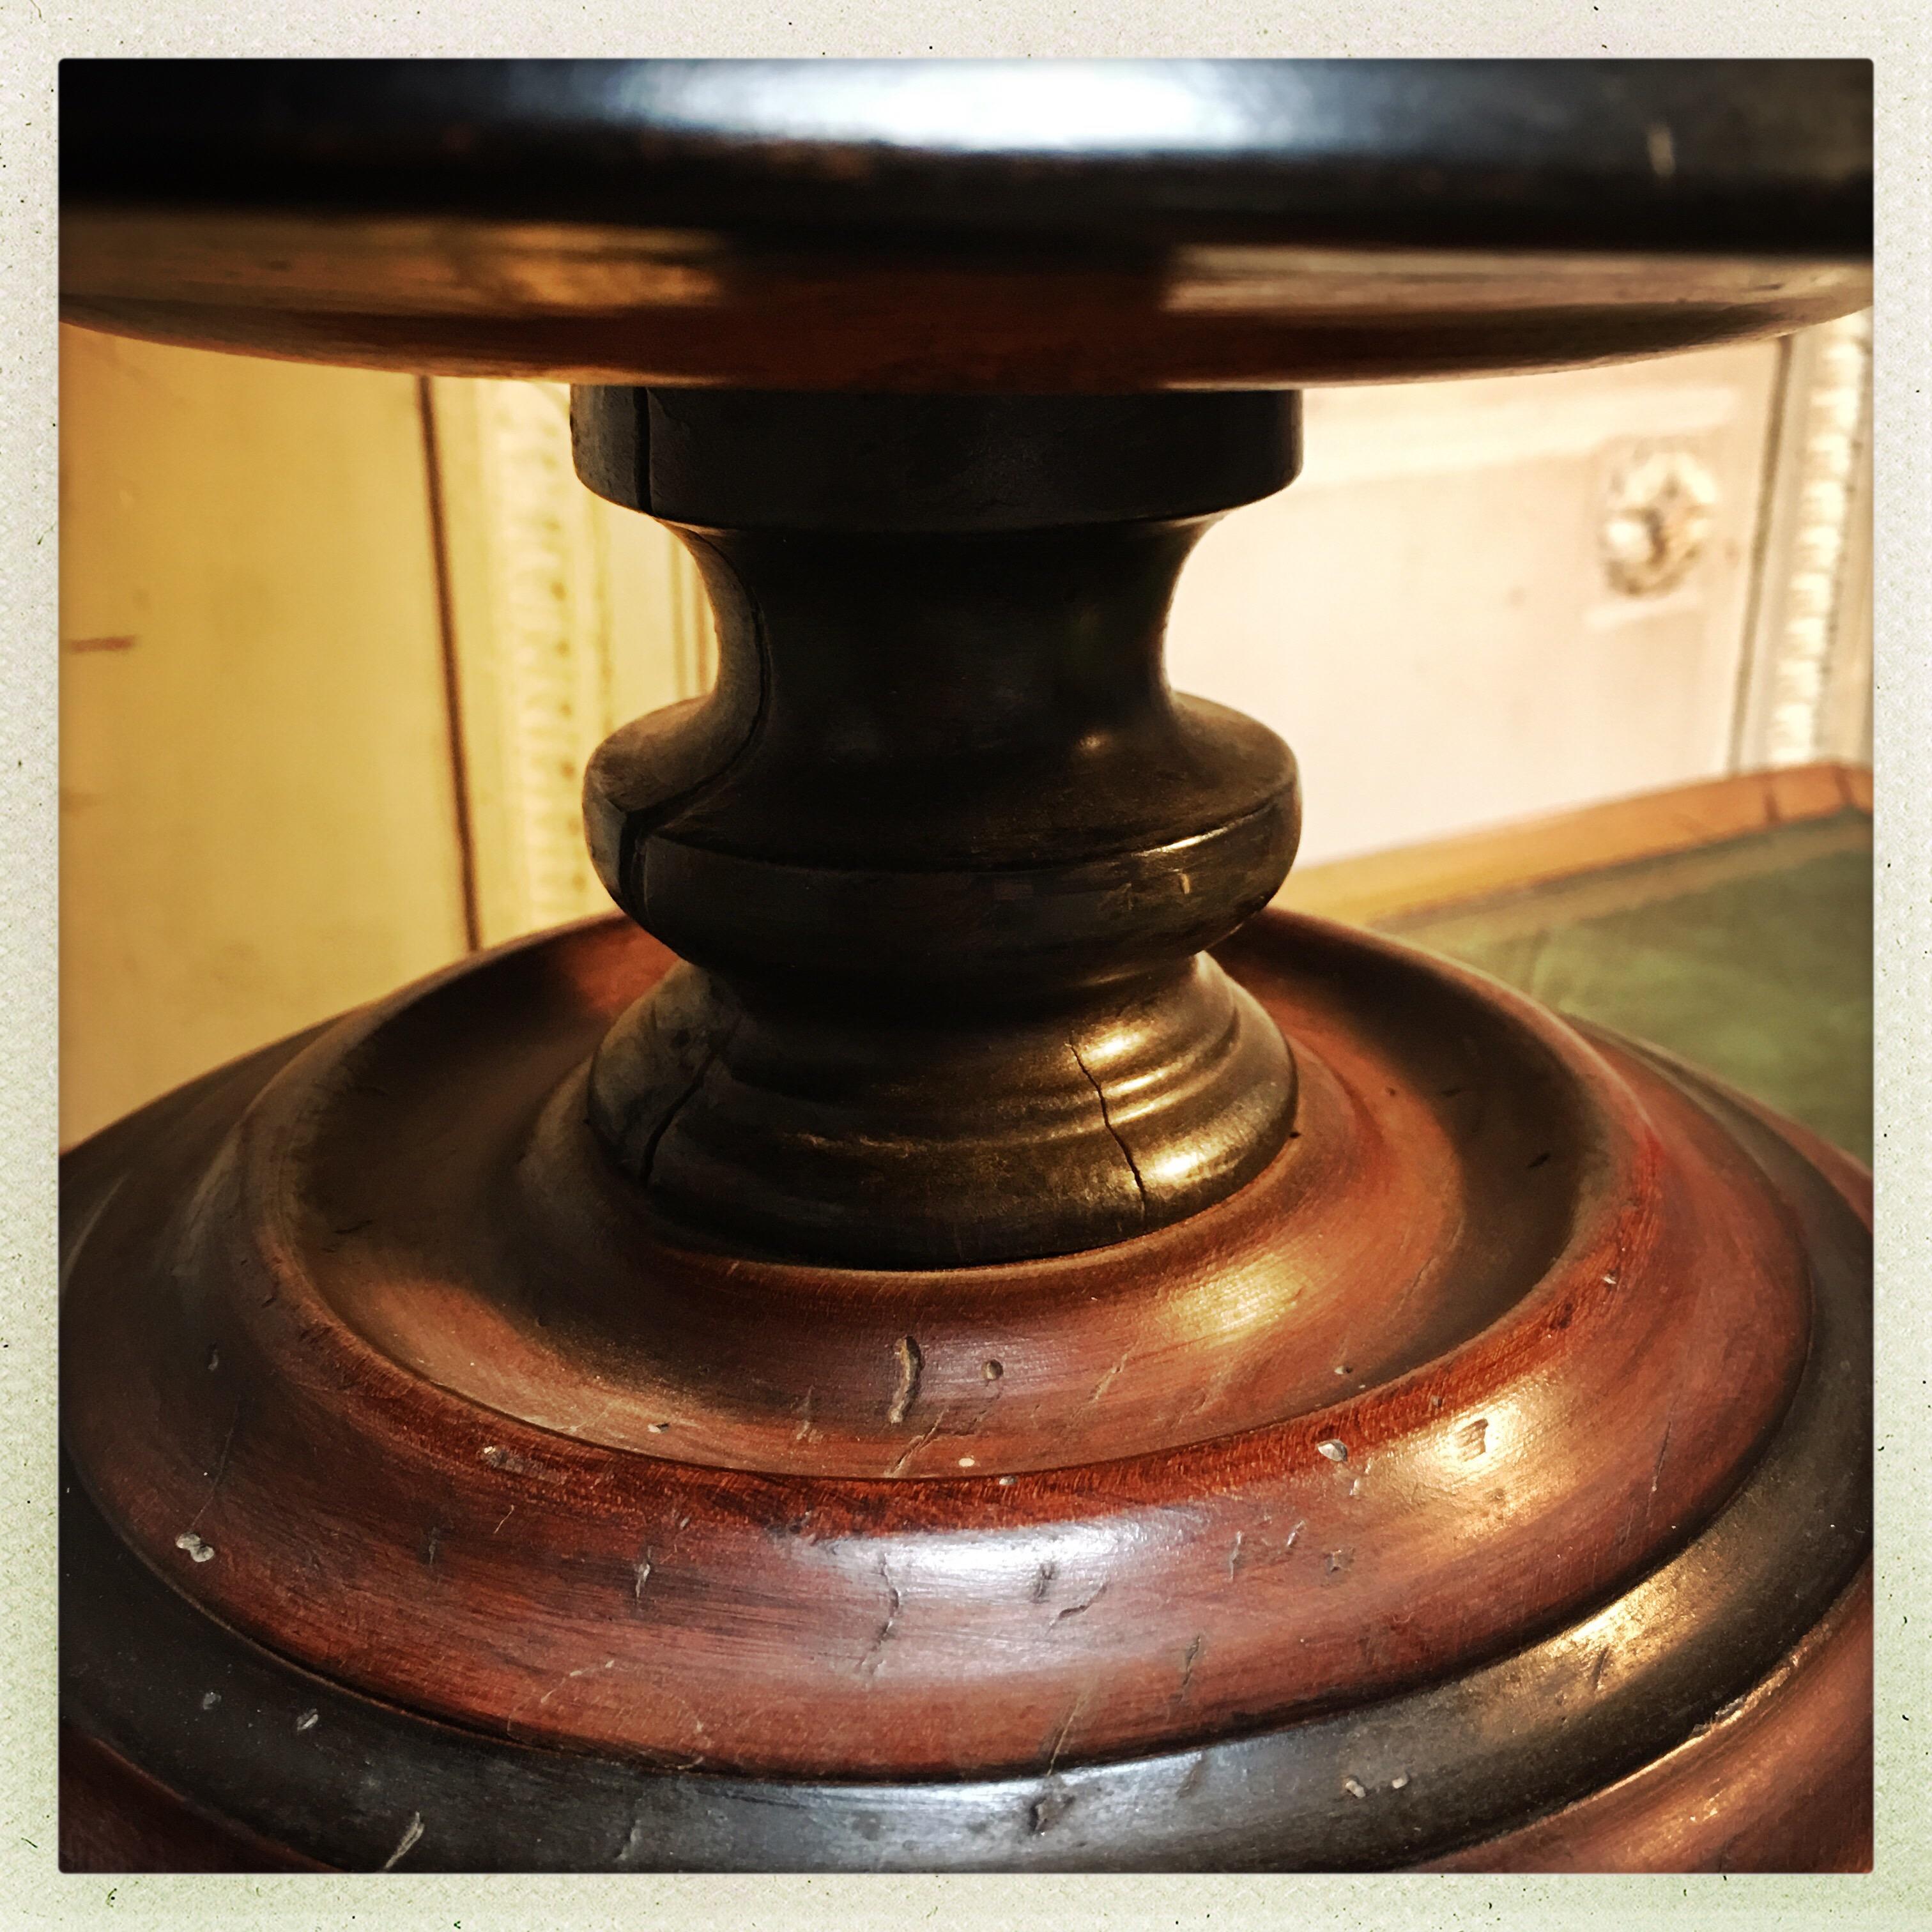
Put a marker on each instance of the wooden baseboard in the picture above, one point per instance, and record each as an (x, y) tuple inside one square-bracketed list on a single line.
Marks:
[(1414, 878)]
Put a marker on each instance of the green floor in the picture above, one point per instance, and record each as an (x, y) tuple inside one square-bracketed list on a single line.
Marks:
[(1753, 959)]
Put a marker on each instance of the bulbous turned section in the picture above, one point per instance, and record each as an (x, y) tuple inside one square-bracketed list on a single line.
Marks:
[(942, 849)]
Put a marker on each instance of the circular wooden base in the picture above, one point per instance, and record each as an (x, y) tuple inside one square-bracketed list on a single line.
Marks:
[(1486, 1481)]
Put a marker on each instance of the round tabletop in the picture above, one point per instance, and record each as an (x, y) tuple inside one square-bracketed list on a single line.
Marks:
[(1016, 225)]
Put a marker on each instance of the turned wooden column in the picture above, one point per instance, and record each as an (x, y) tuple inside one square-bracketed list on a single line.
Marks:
[(943, 849)]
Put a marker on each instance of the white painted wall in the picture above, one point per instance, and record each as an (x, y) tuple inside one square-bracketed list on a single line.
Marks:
[(1427, 617)]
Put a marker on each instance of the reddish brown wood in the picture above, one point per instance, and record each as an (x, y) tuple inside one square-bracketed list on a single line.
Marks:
[(1543, 1306), (734, 318), (1780, 1781)]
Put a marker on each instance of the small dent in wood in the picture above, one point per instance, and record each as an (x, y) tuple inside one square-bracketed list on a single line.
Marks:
[(1048, 1809)]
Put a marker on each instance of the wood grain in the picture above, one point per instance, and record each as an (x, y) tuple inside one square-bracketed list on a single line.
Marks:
[(439, 1504), (304, 1503)]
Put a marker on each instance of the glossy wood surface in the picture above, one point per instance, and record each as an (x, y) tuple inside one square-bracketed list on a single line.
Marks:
[(1024, 226), (942, 850), (559, 1580), (1778, 1779)]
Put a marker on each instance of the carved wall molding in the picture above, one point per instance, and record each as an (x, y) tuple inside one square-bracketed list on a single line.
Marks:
[(554, 641), (1807, 681)]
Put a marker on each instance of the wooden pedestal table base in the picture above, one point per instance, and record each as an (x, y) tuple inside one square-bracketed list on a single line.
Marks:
[(1498, 1447), (965, 1348)]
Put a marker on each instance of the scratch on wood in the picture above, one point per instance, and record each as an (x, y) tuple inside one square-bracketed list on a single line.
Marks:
[(1187, 1664), (868, 1664), (71, 1252), (1060, 1736), (220, 1472), (912, 1364), (1074, 1610), (633, 1839), (1107, 1120), (412, 1834), (1107, 1381), (912, 1449), (582, 1670), (1043, 1582), (1663, 1450)]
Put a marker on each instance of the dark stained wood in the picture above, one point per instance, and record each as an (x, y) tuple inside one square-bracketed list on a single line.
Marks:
[(114, 1818), (1779, 1781), (1760, 156), (942, 849), (1016, 226), (749, 321), (916, 1364)]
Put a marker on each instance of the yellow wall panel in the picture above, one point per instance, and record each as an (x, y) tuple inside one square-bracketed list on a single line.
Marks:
[(257, 799)]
